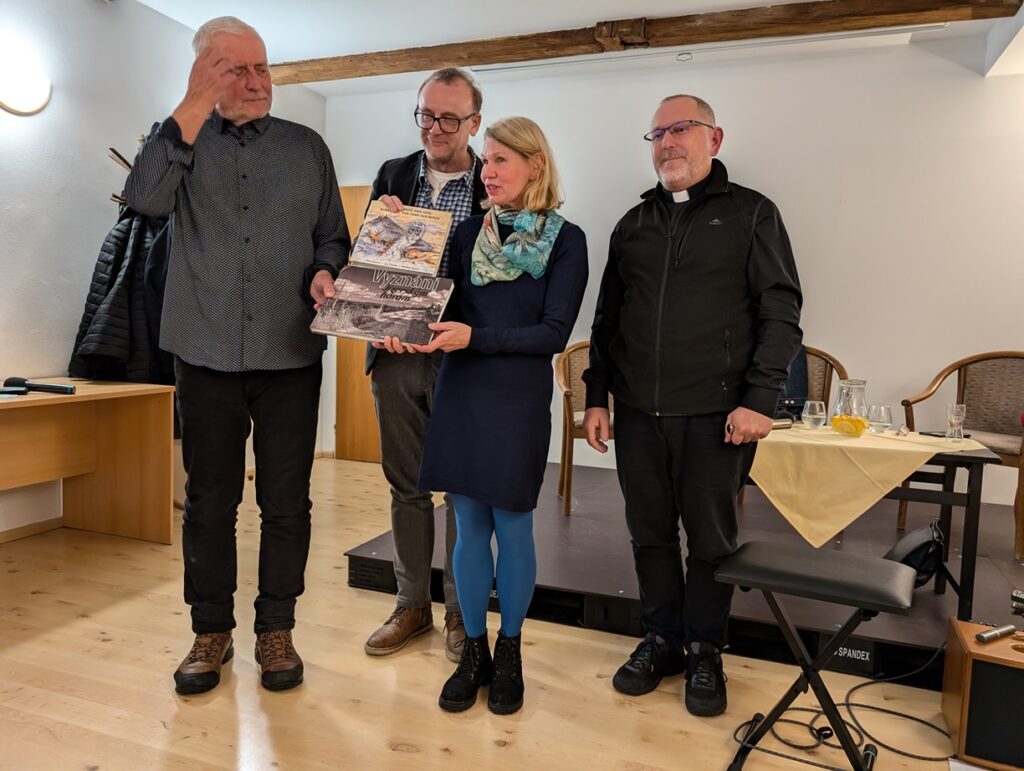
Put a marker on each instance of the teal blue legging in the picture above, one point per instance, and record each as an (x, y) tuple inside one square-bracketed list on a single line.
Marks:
[(473, 564)]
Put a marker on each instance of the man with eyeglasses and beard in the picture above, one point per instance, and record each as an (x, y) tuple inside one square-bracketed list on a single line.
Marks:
[(444, 175), (696, 324)]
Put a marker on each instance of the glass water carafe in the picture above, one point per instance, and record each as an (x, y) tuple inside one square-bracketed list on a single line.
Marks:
[(849, 415)]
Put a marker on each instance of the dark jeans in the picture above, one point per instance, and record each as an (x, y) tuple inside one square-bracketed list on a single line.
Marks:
[(672, 469), (403, 392), (217, 411)]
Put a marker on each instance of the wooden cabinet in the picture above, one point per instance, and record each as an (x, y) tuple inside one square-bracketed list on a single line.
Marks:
[(983, 697), (110, 443)]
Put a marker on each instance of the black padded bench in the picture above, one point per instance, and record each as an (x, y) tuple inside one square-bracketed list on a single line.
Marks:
[(872, 585)]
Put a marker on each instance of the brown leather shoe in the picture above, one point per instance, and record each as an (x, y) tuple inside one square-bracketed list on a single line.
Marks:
[(280, 666), (454, 635), (199, 671), (402, 626)]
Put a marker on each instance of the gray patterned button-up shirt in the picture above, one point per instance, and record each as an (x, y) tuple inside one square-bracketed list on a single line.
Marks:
[(256, 214)]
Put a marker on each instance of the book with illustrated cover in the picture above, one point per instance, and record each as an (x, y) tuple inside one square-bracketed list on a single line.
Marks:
[(412, 239), (371, 303)]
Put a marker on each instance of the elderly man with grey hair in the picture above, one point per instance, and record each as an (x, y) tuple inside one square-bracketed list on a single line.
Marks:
[(258, 237)]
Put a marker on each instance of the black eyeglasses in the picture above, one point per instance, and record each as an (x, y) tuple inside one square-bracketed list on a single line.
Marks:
[(448, 124), (676, 129)]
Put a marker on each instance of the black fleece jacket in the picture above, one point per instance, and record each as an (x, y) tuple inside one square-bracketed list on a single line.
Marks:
[(699, 307)]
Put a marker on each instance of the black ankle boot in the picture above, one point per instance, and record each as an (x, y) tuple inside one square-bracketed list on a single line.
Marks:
[(475, 669), (506, 694)]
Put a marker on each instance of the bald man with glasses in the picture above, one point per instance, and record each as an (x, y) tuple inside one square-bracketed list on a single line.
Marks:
[(697, 321), (444, 175)]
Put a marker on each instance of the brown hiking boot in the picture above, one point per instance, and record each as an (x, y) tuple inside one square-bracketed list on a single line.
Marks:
[(402, 626), (199, 671), (454, 635), (280, 666)]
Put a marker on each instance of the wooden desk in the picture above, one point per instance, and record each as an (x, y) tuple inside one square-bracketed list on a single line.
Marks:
[(821, 483), (111, 443), (974, 463)]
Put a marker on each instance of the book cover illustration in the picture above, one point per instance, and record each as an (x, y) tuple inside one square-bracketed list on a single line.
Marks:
[(371, 303), (412, 239)]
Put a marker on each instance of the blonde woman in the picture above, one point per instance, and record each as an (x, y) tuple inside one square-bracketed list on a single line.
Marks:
[(519, 271)]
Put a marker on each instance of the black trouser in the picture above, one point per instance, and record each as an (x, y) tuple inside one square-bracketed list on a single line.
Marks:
[(217, 410), (672, 469)]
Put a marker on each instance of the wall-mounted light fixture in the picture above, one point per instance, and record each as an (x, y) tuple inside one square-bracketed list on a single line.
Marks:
[(24, 87)]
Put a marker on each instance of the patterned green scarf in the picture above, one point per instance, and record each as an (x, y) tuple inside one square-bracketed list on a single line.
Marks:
[(526, 251)]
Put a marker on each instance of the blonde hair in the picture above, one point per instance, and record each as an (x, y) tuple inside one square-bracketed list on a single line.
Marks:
[(523, 136), (222, 24)]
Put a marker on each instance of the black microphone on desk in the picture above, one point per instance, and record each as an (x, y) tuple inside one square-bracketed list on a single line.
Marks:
[(31, 385)]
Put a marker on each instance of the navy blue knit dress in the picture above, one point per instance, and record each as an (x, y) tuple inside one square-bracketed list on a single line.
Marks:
[(490, 424)]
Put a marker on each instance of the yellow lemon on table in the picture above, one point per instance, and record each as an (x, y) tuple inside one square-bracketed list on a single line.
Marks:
[(849, 425)]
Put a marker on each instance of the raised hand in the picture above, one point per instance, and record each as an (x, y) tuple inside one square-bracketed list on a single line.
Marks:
[(211, 76)]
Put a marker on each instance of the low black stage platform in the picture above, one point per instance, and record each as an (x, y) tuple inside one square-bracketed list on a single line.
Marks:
[(585, 577)]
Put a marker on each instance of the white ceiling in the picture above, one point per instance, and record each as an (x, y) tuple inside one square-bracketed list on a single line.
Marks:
[(307, 29)]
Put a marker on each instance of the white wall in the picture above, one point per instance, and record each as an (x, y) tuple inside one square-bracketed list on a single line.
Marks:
[(898, 170), (116, 68)]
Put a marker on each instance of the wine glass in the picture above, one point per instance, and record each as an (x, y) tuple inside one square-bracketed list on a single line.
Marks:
[(955, 415), (879, 418), (813, 414)]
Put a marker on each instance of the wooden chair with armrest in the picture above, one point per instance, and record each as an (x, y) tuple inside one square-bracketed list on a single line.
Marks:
[(991, 386), (569, 367)]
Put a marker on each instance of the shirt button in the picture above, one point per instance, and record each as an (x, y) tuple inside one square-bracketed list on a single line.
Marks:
[(245, 208), (241, 144), (245, 176), (247, 239), (249, 317)]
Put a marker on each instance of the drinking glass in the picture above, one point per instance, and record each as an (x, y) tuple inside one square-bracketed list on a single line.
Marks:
[(955, 414), (879, 418), (813, 414)]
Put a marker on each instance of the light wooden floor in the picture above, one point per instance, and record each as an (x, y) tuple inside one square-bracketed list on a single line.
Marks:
[(91, 628)]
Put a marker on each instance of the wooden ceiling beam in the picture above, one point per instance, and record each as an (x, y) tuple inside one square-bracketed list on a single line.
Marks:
[(790, 20)]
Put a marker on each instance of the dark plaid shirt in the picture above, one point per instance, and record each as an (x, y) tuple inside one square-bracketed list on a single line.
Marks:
[(456, 197)]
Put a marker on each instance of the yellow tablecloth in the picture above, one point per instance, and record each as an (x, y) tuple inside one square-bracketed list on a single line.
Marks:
[(821, 482)]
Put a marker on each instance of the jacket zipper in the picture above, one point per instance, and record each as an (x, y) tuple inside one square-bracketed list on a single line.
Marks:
[(661, 303), (728, 359), (657, 326)]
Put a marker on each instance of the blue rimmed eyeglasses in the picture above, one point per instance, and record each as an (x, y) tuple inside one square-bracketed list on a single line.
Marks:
[(677, 129)]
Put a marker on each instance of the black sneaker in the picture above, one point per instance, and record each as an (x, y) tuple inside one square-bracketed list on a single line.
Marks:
[(705, 681), (652, 660)]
